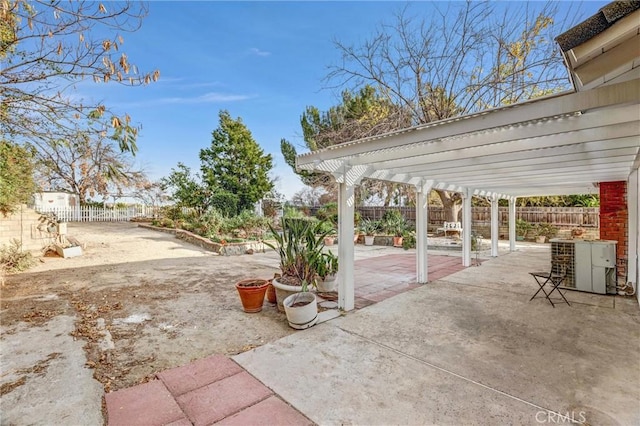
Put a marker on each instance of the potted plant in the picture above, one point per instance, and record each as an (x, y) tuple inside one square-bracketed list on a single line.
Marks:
[(252, 291), (327, 269), (328, 229), (369, 227), (398, 233), (271, 291), (300, 246), (522, 228), (396, 226), (545, 231)]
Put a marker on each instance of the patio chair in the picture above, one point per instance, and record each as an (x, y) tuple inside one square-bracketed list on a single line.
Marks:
[(554, 278)]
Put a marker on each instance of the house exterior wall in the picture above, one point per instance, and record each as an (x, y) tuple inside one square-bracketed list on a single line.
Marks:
[(56, 199), (614, 221)]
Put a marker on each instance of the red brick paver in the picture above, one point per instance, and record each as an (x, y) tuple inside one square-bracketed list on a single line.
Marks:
[(213, 389), (198, 374), (223, 398), (271, 411), (381, 277), (146, 404)]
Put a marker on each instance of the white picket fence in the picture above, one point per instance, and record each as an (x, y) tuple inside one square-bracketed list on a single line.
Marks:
[(98, 214)]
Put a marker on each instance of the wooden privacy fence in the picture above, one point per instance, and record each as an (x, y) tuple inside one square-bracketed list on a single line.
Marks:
[(586, 217), (98, 214)]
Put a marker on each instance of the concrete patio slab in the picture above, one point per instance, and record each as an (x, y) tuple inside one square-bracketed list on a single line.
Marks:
[(335, 378), (468, 349), (51, 364)]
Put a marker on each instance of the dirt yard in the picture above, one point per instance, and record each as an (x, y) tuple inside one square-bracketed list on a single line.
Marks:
[(141, 301)]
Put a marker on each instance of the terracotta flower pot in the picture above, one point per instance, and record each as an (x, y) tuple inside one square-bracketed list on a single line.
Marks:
[(397, 241), (271, 293), (252, 291)]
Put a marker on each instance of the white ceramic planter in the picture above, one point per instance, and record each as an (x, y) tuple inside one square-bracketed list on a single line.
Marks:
[(328, 284), (304, 316), (283, 291), (368, 240)]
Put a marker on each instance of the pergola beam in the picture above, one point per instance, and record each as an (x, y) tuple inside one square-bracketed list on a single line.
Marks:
[(538, 109), (571, 130), (514, 155)]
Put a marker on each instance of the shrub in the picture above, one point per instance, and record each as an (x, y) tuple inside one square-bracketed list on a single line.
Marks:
[(16, 175), (290, 211), (173, 213), (545, 229), (167, 223), (394, 223), (409, 240), (226, 203), (212, 220), (13, 259), (357, 217), (326, 227), (523, 227), (247, 221), (369, 227), (328, 213), (392, 216)]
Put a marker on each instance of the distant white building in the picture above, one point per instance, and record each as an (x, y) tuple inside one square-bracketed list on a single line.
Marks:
[(56, 199)]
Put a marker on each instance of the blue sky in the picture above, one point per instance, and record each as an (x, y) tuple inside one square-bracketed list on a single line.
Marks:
[(262, 61)]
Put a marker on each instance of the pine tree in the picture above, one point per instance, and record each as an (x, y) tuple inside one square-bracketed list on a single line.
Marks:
[(235, 163)]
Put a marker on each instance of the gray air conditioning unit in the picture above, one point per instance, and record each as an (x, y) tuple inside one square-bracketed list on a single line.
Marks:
[(590, 264)]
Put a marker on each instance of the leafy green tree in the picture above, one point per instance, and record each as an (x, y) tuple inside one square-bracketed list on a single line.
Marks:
[(186, 190), (16, 176), (225, 202), (236, 163)]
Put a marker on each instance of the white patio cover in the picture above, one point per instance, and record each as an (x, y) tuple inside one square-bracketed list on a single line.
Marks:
[(558, 145)]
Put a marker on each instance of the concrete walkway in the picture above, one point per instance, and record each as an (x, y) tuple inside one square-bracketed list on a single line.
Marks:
[(467, 349)]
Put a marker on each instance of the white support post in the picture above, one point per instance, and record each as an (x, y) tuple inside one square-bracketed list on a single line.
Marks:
[(512, 224), (422, 221), (495, 226), (466, 228), (346, 206), (633, 245)]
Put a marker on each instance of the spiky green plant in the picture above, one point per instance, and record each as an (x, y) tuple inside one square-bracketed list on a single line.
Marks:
[(299, 245)]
